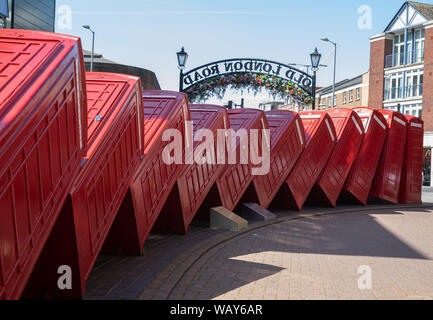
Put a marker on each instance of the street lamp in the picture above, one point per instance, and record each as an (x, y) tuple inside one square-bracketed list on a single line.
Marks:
[(335, 68), (182, 57), (315, 62), (93, 46)]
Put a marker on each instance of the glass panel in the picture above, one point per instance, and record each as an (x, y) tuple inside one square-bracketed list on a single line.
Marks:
[(399, 86), (8, 20), (422, 50), (401, 53), (421, 82)]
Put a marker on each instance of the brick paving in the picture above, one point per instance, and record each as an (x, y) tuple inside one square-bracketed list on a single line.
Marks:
[(311, 255)]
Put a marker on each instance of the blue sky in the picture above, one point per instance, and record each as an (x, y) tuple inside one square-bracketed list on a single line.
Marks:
[(148, 33)]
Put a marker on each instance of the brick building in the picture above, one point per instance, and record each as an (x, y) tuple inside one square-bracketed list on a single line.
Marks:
[(401, 70), (349, 93)]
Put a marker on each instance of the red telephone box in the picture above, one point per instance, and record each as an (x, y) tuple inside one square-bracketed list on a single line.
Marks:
[(43, 125), (350, 133), (165, 113), (320, 140), (411, 181), (235, 182), (360, 179), (287, 145), (386, 185), (196, 180)]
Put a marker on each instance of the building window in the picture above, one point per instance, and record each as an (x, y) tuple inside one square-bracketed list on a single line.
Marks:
[(351, 96), (335, 101), (414, 83), (358, 94), (414, 50), (8, 18), (394, 86), (398, 50), (344, 97), (412, 110), (329, 102)]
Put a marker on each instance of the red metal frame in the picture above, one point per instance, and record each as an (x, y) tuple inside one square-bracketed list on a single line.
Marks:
[(386, 184), (411, 182), (115, 145), (235, 183), (42, 131), (287, 145), (350, 133), (360, 178), (320, 137), (154, 179), (196, 180)]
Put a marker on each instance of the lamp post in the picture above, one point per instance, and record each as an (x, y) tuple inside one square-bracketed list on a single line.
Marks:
[(182, 57), (93, 46), (335, 68), (315, 62)]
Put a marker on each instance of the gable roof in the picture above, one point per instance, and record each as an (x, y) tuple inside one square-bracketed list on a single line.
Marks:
[(411, 13), (424, 8)]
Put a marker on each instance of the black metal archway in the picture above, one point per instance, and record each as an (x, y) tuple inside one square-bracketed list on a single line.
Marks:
[(222, 68)]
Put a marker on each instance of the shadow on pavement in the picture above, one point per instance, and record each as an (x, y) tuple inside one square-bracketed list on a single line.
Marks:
[(349, 234)]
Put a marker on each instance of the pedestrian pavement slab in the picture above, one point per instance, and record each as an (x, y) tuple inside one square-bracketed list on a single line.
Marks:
[(300, 255)]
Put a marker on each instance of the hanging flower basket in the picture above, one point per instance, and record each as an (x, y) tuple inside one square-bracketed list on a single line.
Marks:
[(277, 87)]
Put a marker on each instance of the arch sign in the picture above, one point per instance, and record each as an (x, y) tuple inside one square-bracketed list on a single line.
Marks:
[(280, 79)]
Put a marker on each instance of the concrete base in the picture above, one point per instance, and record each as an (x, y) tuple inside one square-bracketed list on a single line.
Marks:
[(252, 211), (221, 218)]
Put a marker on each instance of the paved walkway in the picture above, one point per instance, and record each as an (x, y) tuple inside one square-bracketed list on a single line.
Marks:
[(313, 255)]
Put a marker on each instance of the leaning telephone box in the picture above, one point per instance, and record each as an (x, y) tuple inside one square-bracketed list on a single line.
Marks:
[(42, 140), (235, 180), (196, 180), (320, 140), (360, 179), (350, 133), (166, 117), (411, 181), (115, 145), (386, 185), (287, 144)]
